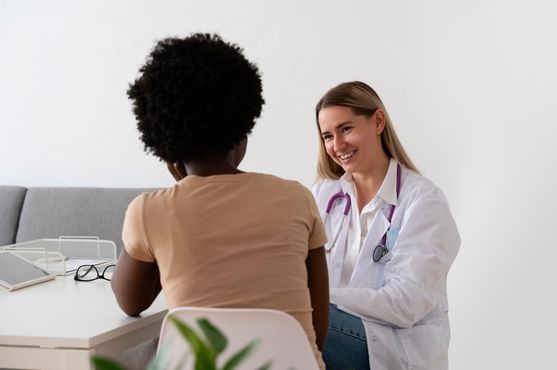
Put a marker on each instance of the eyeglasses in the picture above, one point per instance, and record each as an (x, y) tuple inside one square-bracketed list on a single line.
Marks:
[(90, 273)]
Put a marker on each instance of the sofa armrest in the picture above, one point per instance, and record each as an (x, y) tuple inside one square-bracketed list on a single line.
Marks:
[(11, 201)]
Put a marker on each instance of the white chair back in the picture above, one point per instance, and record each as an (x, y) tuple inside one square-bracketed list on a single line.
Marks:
[(281, 338)]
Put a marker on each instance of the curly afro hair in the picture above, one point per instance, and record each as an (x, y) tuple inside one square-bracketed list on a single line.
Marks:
[(195, 97)]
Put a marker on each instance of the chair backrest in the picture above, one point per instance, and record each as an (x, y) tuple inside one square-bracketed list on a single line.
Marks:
[(281, 338)]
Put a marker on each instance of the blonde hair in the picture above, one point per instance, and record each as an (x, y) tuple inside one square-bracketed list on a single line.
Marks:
[(363, 100)]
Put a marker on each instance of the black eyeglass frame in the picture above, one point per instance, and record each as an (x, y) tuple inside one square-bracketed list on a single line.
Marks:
[(92, 267)]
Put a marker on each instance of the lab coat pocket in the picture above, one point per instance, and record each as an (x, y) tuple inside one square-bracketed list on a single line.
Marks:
[(426, 347)]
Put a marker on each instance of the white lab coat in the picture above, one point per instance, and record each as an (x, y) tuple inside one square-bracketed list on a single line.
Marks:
[(402, 302)]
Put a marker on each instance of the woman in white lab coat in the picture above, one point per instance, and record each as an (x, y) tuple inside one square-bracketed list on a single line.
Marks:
[(392, 240)]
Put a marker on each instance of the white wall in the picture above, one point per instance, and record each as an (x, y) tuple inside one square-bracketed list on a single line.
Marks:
[(470, 85)]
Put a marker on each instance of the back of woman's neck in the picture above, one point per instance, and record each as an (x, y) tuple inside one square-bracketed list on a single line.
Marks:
[(210, 168)]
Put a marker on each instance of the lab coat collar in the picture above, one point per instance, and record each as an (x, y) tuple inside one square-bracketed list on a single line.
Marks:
[(346, 182), (387, 191)]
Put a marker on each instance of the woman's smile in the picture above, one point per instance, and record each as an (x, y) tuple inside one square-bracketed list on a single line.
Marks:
[(346, 156)]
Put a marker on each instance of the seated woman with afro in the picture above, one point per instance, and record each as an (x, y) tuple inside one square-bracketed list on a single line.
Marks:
[(219, 237)]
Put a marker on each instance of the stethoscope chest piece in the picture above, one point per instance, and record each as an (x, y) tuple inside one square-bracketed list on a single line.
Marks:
[(379, 252)]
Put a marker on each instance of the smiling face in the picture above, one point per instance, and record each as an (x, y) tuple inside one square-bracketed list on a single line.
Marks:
[(352, 141)]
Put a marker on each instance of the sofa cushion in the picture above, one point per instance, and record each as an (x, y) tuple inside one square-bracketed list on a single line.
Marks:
[(50, 212), (11, 200)]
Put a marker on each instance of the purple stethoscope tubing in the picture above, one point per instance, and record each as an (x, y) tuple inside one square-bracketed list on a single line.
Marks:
[(381, 249), (333, 199), (347, 206), (392, 210)]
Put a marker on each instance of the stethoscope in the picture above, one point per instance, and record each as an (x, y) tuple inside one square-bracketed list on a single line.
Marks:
[(347, 206), (380, 249)]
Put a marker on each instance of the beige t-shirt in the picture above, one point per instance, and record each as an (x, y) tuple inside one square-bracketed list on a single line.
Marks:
[(230, 241)]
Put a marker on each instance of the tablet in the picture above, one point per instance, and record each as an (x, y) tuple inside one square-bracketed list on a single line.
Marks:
[(16, 272)]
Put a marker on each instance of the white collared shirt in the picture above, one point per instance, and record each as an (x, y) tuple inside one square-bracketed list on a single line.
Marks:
[(359, 226)]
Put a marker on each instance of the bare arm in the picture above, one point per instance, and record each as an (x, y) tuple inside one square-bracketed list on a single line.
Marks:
[(318, 283), (135, 284)]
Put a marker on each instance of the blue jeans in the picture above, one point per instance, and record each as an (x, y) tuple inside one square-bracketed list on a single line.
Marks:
[(346, 345)]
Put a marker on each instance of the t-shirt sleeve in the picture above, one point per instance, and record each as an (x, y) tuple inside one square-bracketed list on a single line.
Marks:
[(317, 235), (134, 234)]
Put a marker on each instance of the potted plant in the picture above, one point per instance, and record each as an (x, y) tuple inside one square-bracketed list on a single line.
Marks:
[(205, 348)]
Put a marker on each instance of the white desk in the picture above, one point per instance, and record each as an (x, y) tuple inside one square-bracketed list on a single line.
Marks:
[(59, 324)]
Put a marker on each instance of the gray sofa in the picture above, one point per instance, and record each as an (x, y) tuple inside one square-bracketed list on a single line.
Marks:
[(40, 212), (50, 212)]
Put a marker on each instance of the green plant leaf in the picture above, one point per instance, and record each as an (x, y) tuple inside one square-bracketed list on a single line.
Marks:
[(204, 356), (191, 337), (216, 338), (266, 366), (102, 363), (240, 356)]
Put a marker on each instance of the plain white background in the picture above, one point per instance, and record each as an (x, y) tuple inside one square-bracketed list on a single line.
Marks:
[(470, 86)]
